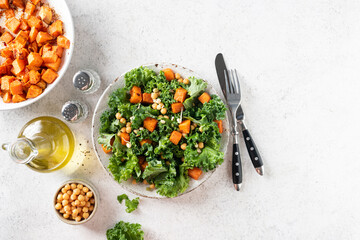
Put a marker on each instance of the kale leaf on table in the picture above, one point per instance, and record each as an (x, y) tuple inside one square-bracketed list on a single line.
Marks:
[(125, 231), (131, 205)]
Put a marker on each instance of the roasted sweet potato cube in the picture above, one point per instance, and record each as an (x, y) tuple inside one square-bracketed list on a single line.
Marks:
[(29, 9), (35, 2), (176, 107), (33, 33), (18, 98), (4, 4), (16, 87), (63, 42), (13, 24), (194, 173), (146, 98), (54, 66), (45, 14), (18, 65), (125, 138), (175, 137), (56, 28), (21, 53), (135, 94), (21, 39), (33, 91), (5, 82), (23, 25), (7, 52), (59, 50), (3, 70), (34, 22), (18, 3), (142, 142), (34, 77), (49, 76), (150, 123), (33, 47), (180, 95), (7, 97), (8, 62), (34, 59), (7, 37), (50, 57), (220, 125), (184, 126), (42, 84), (9, 13), (204, 98), (24, 76), (43, 37), (169, 74)]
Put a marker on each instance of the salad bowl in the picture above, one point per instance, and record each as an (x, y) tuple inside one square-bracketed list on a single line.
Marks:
[(140, 189)]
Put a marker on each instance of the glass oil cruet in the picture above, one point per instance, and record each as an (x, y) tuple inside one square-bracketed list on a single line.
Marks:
[(44, 144)]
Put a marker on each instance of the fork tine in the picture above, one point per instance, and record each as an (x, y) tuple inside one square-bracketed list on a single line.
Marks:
[(237, 81), (232, 81), (227, 82)]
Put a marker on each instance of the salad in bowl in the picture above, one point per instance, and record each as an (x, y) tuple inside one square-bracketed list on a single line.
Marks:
[(162, 129)]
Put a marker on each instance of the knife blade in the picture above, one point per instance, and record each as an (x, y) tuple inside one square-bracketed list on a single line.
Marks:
[(240, 116)]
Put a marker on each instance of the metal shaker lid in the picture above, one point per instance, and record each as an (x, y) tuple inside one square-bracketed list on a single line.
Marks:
[(82, 80), (71, 111)]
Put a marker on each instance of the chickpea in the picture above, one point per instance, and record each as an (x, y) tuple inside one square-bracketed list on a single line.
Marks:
[(122, 120), (183, 146), (76, 191), (66, 196), (199, 150), (77, 202), (59, 197), (154, 106), (192, 127), (75, 212), (72, 208), (123, 129), (67, 208), (85, 189), (136, 131), (91, 208), (201, 145), (85, 209), (79, 209), (82, 193), (177, 75), (162, 121), (63, 190), (88, 204), (128, 124), (196, 145), (166, 116), (163, 111), (155, 90), (128, 129), (141, 128), (58, 206), (186, 81), (73, 186), (78, 219), (62, 211), (80, 186), (195, 125), (161, 105), (200, 129), (158, 107), (67, 187), (152, 186), (180, 80), (65, 215), (82, 203), (85, 215), (154, 95), (73, 204), (87, 198), (73, 197), (69, 192), (92, 201), (128, 145), (81, 198), (65, 202)]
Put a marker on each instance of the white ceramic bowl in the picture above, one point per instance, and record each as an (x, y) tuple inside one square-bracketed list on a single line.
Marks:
[(140, 189), (63, 11), (91, 188)]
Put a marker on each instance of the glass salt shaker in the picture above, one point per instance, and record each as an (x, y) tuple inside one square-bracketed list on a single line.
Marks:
[(75, 111), (86, 81)]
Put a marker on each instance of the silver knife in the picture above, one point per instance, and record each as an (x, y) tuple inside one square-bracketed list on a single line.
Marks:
[(240, 116)]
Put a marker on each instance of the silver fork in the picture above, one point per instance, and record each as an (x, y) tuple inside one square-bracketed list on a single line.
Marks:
[(233, 96)]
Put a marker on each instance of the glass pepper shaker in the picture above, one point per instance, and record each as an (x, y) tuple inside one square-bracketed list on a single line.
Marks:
[(86, 81), (75, 111)]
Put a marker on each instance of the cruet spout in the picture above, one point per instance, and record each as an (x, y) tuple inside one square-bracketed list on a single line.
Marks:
[(21, 151)]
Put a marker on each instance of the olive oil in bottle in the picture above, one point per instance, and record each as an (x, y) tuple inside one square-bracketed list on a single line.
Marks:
[(44, 144)]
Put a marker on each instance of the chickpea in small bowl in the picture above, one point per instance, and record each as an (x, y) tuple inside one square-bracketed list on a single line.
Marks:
[(76, 201)]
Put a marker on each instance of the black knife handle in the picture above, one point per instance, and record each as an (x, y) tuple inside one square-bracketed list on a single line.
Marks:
[(252, 149), (236, 165)]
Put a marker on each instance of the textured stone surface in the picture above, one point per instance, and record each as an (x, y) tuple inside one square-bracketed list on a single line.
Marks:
[(300, 89)]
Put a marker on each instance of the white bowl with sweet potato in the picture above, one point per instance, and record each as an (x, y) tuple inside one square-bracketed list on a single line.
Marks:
[(37, 42)]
